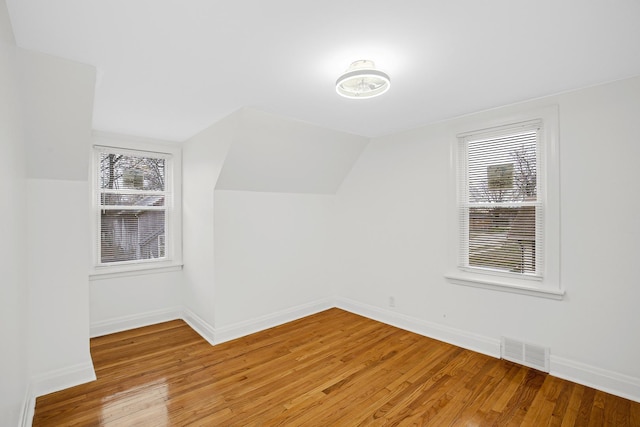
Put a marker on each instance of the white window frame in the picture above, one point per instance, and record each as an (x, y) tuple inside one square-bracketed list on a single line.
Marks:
[(173, 220), (546, 284)]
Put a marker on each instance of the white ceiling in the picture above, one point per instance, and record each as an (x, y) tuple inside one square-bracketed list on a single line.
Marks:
[(170, 68)]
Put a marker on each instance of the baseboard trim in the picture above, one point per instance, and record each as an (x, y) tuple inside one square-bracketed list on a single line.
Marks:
[(457, 337), (60, 379), (598, 378), (125, 323), (240, 329), (51, 382), (28, 408), (204, 329)]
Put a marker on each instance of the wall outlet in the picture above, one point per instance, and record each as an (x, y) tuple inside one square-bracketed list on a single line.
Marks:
[(392, 302)]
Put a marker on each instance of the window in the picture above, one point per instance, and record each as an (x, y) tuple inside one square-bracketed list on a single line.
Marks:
[(501, 200), (507, 227), (136, 220)]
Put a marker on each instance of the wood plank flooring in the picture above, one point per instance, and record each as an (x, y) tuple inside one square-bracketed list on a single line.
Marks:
[(330, 369)]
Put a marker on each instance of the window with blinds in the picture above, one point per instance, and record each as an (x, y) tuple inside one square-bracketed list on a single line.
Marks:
[(133, 201), (500, 200)]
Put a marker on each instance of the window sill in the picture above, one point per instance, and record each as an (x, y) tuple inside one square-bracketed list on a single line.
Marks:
[(497, 285), (132, 270)]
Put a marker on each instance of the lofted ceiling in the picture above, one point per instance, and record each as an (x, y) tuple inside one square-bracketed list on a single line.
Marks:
[(170, 68)]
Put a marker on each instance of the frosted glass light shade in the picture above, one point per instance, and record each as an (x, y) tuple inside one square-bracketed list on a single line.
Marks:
[(362, 80)]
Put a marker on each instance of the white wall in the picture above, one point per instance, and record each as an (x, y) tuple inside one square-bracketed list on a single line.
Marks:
[(57, 239), (58, 97), (13, 262), (203, 157), (57, 100), (270, 252), (134, 300), (255, 249), (44, 323), (393, 239)]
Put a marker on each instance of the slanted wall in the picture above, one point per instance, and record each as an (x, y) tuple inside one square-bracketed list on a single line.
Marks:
[(257, 248), (270, 153)]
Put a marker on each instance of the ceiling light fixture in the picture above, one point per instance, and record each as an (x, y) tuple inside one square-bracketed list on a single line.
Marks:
[(362, 80)]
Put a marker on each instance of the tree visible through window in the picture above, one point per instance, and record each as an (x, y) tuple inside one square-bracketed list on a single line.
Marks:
[(133, 199), (500, 206)]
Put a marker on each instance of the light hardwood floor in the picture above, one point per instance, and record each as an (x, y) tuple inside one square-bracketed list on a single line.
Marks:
[(333, 368)]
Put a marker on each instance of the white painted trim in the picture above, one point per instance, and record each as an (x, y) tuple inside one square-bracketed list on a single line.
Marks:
[(204, 329), (240, 329), (125, 323), (28, 408), (598, 378), (154, 267), (495, 285), (458, 337), (173, 213), (60, 379)]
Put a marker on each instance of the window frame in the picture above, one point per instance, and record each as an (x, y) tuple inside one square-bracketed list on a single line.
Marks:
[(465, 205), (546, 285), (173, 219)]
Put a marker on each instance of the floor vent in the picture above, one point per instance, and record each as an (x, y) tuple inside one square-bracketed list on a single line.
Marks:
[(525, 354)]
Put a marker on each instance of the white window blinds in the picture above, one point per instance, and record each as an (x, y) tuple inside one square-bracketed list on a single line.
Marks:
[(133, 201), (500, 200)]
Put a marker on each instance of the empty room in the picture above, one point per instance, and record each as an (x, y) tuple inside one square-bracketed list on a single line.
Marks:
[(287, 212)]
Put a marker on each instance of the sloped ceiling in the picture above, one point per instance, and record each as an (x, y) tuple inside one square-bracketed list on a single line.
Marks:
[(269, 153), (168, 69)]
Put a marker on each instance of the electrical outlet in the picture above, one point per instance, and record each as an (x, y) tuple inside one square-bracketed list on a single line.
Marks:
[(392, 302)]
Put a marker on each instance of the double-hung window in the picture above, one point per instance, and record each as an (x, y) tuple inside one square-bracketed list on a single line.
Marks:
[(501, 201), (135, 209), (507, 222)]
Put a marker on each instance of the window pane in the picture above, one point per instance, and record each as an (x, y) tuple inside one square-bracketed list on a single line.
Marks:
[(503, 238), (132, 235), (503, 169), (123, 172)]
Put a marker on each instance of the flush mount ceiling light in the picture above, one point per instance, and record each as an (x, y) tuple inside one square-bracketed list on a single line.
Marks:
[(362, 80)]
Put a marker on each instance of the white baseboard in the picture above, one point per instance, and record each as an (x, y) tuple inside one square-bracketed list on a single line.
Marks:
[(62, 378), (125, 323), (240, 329), (204, 329), (28, 408), (458, 337), (601, 379), (53, 381)]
